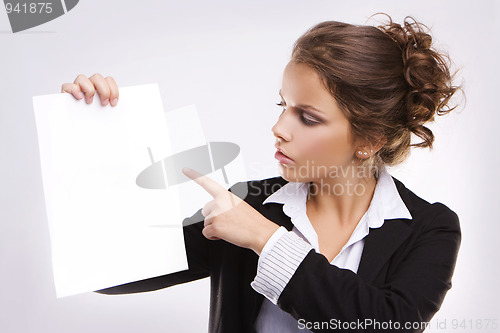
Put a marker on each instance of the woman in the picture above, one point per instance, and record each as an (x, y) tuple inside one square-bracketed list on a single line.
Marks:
[(335, 242)]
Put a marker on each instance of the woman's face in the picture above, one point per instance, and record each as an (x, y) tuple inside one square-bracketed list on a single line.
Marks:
[(311, 131)]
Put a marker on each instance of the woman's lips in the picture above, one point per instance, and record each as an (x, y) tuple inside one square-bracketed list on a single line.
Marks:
[(282, 158)]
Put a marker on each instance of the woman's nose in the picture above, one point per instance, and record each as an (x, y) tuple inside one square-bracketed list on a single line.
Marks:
[(282, 128)]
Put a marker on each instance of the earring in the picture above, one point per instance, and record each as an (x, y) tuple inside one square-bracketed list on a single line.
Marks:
[(362, 153)]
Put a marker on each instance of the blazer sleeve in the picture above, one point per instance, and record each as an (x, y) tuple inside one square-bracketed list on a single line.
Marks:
[(410, 294)]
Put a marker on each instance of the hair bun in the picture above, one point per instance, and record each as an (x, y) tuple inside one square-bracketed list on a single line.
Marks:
[(427, 74)]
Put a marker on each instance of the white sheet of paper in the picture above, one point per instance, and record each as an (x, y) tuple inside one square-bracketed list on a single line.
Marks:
[(105, 230), (186, 133)]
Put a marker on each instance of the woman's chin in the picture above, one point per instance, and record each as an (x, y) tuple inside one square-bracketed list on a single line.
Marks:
[(288, 173)]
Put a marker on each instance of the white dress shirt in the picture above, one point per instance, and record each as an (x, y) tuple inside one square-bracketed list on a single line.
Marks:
[(285, 250)]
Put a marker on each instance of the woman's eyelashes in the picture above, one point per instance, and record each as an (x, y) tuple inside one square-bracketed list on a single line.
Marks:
[(282, 105), (304, 117)]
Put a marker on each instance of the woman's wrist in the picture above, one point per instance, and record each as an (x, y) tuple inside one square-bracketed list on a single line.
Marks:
[(262, 235)]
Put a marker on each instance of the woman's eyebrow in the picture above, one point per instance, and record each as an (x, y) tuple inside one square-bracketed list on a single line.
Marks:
[(303, 106), (308, 107)]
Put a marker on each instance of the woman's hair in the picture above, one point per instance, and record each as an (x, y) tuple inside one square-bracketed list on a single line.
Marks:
[(388, 81)]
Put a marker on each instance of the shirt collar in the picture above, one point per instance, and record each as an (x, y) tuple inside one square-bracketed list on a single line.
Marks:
[(386, 202)]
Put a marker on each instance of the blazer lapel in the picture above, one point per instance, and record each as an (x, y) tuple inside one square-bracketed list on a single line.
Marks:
[(380, 244)]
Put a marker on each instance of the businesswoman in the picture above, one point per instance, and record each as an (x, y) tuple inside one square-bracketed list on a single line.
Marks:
[(335, 242)]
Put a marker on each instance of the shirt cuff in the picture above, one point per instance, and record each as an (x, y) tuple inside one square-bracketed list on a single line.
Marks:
[(271, 242), (280, 258)]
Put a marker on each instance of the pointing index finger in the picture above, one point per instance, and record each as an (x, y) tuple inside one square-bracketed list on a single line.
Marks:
[(210, 185)]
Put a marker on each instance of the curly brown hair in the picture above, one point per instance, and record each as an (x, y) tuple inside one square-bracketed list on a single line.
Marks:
[(388, 81)]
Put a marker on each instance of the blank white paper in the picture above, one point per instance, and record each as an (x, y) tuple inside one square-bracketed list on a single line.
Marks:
[(186, 132), (105, 230)]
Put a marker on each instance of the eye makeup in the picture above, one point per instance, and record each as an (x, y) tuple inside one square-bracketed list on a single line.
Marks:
[(305, 117)]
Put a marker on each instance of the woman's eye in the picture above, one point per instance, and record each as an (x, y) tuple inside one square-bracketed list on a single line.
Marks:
[(308, 120), (305, 118)]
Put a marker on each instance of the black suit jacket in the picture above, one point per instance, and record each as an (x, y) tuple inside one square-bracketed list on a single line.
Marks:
[(403, 276)]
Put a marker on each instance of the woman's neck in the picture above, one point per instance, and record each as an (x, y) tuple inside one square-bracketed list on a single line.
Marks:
[(345, 196)]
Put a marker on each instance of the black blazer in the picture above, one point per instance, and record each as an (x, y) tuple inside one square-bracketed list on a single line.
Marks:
[(403, 276)]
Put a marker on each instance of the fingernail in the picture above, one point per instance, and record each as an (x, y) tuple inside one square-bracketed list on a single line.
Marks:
[(90, 100), (105, 102), (80, 95), (114, 101), (186, 170)]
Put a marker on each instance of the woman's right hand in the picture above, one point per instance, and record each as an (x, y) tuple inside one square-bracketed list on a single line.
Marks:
[(82, 87)]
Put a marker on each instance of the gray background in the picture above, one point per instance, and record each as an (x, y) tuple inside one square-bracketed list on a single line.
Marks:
[(227, 57)]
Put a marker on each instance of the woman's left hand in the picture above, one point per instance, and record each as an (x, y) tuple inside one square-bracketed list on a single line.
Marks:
[(229, 218)]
